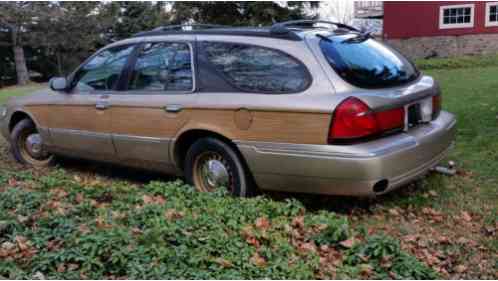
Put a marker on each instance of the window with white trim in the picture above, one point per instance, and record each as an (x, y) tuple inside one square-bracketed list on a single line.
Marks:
[(492, 14), (456, 16)]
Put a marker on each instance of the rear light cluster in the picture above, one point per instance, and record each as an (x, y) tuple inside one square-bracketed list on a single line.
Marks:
[(353, 120), (436, 106)]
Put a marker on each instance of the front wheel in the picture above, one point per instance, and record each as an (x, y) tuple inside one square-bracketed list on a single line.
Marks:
[(27, 145), (211, 163)]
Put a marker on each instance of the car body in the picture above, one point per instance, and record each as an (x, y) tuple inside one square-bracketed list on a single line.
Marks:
[(276, 118)]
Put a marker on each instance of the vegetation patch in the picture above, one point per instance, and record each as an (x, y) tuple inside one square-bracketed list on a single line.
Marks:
[(56, 226)]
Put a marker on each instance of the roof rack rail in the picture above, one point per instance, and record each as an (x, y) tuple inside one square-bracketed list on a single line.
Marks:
[(283, 27), (193, 26)]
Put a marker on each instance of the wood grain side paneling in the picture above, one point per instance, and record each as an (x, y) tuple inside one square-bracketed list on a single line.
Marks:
[(285, 127), (146, 122), (41, 114)]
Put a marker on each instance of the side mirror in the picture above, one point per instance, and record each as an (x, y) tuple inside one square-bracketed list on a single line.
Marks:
[(58, 84)]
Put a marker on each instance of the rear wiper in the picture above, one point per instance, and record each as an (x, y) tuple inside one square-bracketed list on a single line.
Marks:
[(359, 38), (323, 37)]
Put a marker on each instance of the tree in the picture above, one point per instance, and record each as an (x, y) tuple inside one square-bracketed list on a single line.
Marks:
[(134, 17), (15, 17), (240, 13), (67, 32)]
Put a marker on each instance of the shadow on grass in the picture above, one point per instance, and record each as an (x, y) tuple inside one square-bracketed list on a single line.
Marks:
[(347, 205)]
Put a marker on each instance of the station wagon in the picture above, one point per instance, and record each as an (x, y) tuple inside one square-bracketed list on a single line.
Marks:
[(301, 106)]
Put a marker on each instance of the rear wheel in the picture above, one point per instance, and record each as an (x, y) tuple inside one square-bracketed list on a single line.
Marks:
[(210, 164), (27, 145)]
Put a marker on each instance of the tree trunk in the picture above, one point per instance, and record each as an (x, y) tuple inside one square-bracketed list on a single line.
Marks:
[(21, 68)]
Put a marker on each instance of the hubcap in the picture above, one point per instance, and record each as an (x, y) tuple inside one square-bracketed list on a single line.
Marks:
[(34, 145), (211, 171), (215, 173)]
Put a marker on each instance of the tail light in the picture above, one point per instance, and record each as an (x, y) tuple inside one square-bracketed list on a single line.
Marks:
[(436, 106), (354, 120)]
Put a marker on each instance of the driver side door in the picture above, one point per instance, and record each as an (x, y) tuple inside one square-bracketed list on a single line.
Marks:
[(79, 123)]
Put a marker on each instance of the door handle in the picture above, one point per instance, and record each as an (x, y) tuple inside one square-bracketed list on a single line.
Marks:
[(173, 108), (102, 105)]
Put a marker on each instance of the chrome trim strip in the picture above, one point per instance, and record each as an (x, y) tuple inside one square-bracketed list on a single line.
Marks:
[(79, 132), (324, 150), (140, 138)]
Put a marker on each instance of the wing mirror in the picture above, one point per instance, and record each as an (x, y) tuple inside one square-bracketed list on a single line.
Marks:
[(58, 84)]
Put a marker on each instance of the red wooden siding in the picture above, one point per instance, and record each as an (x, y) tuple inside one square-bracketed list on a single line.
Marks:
[(418, 19)]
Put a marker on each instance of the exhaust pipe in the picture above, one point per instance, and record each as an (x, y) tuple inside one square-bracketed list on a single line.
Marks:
[(449, 171)]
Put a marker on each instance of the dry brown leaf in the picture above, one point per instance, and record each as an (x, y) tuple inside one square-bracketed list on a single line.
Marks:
[(79, 198), (262, 223), (298, 222), (22, 242), (257, 260), (460, 268), (393, 212), (466, 216), (84, 229), (61, 268), (172, 214), (347, 243), (12, 182), (223, 262)]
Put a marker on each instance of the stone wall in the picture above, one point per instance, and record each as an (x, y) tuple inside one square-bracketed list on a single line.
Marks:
[(446, 46)]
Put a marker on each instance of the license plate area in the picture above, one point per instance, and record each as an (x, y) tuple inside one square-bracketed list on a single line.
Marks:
[(417, 113)]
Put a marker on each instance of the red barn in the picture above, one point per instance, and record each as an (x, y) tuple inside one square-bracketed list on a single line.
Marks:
[(441, 28)]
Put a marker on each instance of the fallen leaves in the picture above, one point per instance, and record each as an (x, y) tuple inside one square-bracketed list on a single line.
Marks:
[(258, 260), (347, 243), (158, 199), (262, 223)]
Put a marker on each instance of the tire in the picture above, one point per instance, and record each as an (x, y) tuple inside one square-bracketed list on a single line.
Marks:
[(211, 152), (18, 139)]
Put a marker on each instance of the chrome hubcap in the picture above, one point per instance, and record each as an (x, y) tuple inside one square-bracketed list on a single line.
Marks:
[(215, 174), (34, 145)]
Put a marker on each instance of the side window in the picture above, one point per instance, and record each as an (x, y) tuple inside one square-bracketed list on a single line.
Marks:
[(102, 71), (257, 69), (163, 67)]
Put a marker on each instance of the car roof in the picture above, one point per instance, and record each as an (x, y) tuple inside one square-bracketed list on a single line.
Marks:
[(290, 30)]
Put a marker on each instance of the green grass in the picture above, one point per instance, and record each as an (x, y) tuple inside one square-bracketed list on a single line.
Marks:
[(457, 62), (6, 93)]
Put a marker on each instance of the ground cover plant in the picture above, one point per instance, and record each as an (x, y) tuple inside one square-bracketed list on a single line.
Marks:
[(86, 220)]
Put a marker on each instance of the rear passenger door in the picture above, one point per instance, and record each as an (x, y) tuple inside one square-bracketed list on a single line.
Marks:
[(154, 106)]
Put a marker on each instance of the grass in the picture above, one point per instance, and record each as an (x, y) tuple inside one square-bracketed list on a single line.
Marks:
[(88, 220), (6, 93)]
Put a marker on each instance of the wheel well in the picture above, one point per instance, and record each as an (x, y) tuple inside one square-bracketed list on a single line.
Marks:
[(188, 138), (16, 118)]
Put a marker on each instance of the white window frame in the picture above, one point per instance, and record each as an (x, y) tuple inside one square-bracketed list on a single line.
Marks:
[(488, 11), (470, 24)]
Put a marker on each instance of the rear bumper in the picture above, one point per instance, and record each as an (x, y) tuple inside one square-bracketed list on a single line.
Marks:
[(350, 169)]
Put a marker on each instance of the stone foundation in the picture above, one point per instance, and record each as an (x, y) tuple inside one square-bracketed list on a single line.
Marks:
[(446, 46)]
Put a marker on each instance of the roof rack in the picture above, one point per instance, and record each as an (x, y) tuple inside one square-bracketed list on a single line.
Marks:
[(194, 26), (285, 27), (283, 30)]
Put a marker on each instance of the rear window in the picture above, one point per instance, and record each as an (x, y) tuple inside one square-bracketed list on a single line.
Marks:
[(257, 69), (366, 63)]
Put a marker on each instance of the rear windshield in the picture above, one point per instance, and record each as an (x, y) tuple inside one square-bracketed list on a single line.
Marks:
[(366, 63)]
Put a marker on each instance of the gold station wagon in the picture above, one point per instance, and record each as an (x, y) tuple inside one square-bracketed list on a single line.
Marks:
[(301, 106)]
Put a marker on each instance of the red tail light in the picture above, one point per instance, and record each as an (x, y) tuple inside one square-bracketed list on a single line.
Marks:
[(436, 106), (353, 120)]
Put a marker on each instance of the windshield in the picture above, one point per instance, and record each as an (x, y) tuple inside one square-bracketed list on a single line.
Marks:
[(366, 63)]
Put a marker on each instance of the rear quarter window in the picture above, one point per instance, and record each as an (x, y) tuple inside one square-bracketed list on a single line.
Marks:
[(257, 69)]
